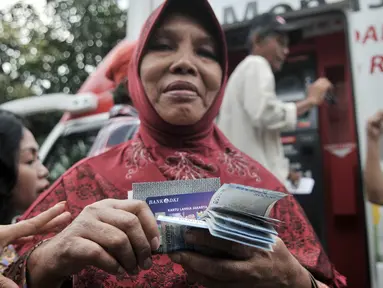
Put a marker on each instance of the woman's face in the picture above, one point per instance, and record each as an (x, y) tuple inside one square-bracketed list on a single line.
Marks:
[(32, 175), (180, 71)]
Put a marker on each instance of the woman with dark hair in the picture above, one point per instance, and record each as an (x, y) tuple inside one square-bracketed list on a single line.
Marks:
[(177, 77), (22, 176)]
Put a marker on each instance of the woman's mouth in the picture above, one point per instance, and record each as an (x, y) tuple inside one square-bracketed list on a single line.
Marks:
[(181, 91), (43, 188)]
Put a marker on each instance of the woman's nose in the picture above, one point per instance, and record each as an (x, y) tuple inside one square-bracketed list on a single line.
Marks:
[(42, 171), (184, 65)]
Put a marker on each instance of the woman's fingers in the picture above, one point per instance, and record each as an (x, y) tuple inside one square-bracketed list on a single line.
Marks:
[(22, 240), (144, 215), (10, 233), (202, 237), (88, 253), (7, 283), (121, 234), (126, 229), (114, 235), (57, 224), (113, 240)]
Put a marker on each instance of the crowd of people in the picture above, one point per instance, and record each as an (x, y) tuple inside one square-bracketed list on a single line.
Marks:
[(178, 79)]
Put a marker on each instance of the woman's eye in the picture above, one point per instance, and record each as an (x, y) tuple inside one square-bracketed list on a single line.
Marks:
[(30, 163), (208, 54), (160, 47)]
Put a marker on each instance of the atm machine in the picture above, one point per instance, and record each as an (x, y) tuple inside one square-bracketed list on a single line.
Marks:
[(302, 146)]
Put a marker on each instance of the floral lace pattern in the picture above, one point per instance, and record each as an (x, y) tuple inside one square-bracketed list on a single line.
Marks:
[(236, 164), (183, 166), (137, 157)]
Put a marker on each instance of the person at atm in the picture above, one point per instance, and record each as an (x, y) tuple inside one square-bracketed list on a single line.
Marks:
[(251, 116), (373, 175)]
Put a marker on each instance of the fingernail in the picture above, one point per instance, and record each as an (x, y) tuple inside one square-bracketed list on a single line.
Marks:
[(147, 263), (61, 203), (176, 258), (121, 271), (155, 243)]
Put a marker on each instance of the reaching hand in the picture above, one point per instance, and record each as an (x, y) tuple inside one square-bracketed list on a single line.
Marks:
[(7, 283), (318, 90), (374, 126), (51, 220)]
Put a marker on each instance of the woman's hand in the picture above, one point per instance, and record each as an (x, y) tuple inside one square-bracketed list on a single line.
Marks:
[(50, 220), (7, 283), (255, 268), (113, 235)]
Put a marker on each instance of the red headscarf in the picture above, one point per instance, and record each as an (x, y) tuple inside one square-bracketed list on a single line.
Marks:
[(162, 151)]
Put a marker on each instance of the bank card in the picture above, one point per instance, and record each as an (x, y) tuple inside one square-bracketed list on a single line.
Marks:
[(190, 206)]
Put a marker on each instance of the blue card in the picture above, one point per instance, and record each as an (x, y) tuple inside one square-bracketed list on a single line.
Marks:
[(191, 206)]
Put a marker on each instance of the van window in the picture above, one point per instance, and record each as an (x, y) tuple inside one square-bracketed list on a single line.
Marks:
[(67, 151)]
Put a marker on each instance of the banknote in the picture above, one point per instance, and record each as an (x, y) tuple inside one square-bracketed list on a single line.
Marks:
[(173, 229), (245, 200), (238, 238), (254, 231)]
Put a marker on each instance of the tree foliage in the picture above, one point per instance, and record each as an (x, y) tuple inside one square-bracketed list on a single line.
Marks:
[(55, 51), (58, 53)]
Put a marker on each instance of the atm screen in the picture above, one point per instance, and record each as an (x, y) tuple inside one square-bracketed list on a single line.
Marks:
[(292, 89), (292, 81)]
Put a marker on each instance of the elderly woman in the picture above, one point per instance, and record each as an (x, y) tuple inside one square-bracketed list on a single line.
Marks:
[(176, 80)]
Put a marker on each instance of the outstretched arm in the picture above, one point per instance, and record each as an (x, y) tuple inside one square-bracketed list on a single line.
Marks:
[(373, 175)]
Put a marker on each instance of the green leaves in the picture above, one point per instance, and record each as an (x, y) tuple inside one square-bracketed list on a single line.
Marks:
[(56, 51)]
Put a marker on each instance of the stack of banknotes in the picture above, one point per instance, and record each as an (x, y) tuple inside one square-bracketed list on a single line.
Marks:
[(232, 212)]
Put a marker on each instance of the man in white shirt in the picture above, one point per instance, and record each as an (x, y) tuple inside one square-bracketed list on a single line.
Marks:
[(251, 115)]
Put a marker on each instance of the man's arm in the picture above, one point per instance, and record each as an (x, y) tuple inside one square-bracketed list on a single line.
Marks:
[(304, 106), (373, 175), (262, 105)]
